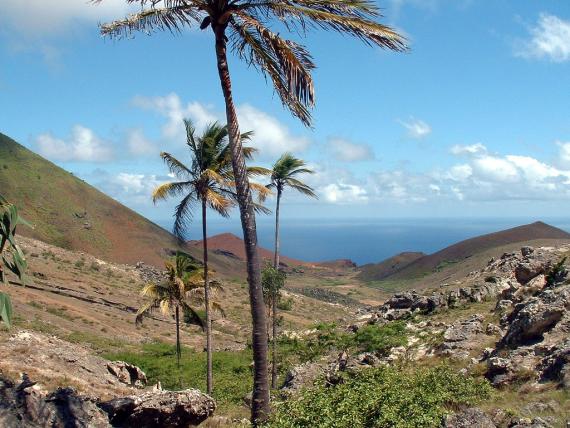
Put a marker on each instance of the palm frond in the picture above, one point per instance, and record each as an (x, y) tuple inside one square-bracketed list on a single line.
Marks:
[(175, 166), (346, 17), (192, 316), (287, 63), (172, 18), (182, 215), (301, 187), (170, 190), (218, 202)]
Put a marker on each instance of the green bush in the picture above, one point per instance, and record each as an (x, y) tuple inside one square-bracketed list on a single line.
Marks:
[(373, 338), (285, 304), (382, 397)]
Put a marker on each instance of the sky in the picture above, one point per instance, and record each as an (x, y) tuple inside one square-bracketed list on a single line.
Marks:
[(473, 121)]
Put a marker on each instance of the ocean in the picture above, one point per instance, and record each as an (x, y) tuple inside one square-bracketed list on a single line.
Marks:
[(365, 240)]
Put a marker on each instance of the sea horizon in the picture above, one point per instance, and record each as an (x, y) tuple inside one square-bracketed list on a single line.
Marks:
[(365, 240)]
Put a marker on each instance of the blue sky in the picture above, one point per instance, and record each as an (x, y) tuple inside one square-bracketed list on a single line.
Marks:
[(473, 121)]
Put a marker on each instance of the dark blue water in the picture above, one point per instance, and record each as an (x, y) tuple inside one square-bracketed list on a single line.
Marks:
[(366, 241)]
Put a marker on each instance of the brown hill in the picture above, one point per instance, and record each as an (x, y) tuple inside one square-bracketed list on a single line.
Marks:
[(69, 213), (465, 249), (388, 267), (231, 246)]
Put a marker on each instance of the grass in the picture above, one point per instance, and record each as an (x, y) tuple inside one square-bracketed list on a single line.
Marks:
[(232, 373)]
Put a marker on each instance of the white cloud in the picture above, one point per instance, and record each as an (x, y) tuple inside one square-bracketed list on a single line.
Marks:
[(472, 149), (49, 17), (344, 193), (271, 137), (139, 145), (564, 152), (550, 39), (417, 129), (82, 146), (345, 151)]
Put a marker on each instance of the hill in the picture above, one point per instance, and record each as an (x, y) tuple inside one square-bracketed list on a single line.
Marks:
[(230, 245), (461, 251), (388, 267), (69, 213)]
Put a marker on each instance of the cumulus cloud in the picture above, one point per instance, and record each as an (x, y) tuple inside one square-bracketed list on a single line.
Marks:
[(271, 137), (549, 39), (54, 17), (564, 152), (139, 145), (344, 193), (82, 146), (417, 129), (346, 151), (497, 177), (472, 149)]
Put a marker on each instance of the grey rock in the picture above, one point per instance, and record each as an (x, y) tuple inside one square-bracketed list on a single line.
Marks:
[(527, 251), (127, 373), (469, 418), (151, 409), (24, 404)]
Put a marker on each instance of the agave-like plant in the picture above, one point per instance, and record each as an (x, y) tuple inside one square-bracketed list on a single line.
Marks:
[(13, 258)]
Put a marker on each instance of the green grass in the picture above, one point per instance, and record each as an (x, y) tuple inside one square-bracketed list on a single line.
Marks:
[(232, 374)]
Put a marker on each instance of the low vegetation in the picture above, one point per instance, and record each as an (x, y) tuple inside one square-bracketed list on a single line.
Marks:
[(382, 397)]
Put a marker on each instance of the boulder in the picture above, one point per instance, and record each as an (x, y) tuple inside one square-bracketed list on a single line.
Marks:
[(525, 271), (469, 418), (531, 321), (127, 373), (527, 251), (152, 409), (25, 404)]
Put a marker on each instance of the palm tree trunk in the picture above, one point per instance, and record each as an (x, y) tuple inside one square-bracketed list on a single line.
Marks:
[(178, 350), (209, 375), (274, 297), (260, 399)]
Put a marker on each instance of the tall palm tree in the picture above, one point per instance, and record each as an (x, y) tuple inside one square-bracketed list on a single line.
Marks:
[(209, 183), (283, 175), (172, 294), (243, 25)]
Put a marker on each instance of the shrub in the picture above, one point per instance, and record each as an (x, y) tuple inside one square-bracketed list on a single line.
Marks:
[(80, 263), (382, 397), (285, 304), (373, 338)]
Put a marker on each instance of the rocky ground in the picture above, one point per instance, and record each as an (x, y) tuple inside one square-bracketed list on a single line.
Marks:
[(509, 322)]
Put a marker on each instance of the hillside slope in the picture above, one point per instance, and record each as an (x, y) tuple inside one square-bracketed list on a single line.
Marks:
[(233, 246), (388, 267), (69, 213), (460, 251)]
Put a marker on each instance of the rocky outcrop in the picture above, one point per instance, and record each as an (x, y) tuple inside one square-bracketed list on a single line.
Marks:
[(157, 409), (127, 373), (469, 418), (25, 404), (46, 357), (459, 338)]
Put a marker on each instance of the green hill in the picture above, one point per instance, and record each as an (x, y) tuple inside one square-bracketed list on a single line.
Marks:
[(69, 213)]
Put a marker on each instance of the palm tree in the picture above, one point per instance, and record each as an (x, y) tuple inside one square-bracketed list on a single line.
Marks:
[(283, 175), (208, 182), (172, 294), (243, 25)]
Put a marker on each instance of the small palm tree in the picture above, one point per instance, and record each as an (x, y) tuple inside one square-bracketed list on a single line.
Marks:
[(209, 183), (283, 175), (243, 26), (172, 294)]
